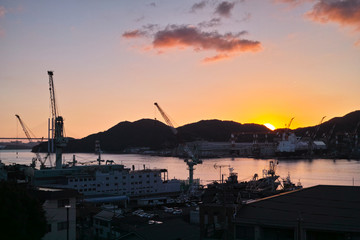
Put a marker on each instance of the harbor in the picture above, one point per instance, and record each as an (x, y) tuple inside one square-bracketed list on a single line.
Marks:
[(309, 172)]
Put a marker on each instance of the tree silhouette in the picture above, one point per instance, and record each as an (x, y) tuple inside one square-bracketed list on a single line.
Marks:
[(21, 215)]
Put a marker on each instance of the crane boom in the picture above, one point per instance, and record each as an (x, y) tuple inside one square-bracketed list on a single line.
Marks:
[(193, 160), (167, 119), (52, 95), (27, 133)]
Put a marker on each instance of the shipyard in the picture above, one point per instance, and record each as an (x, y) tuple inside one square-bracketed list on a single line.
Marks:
[(107, 200), (180, 120)]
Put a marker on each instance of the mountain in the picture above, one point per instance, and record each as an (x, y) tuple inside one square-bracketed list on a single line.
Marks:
[(345, 124), (216, 130), (142, 133), (155, 135)]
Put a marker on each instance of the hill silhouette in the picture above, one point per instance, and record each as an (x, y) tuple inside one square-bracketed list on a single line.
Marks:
[(338, 125), (155, 135)]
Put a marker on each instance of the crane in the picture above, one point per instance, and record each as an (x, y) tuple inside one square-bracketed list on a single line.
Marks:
[(191, 160), (313, 136), (58, 134), (27, 132), (288, 125)]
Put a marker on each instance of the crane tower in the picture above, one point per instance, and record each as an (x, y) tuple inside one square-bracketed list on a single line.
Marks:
[(58, 122), (191, 160)]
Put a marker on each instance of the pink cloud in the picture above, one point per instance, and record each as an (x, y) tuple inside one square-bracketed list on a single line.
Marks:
[(344, 12), (187, 36), (184, 36), (2, 11), (216, 58)]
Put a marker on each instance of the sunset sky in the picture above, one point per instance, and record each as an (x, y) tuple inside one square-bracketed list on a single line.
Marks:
[(250, 61)]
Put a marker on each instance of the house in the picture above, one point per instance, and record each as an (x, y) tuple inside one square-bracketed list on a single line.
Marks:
[(103, 224), (60, 209)]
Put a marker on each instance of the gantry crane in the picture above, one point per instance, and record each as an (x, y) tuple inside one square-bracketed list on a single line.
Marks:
[(27, 132), (58, 122), (191, 159)]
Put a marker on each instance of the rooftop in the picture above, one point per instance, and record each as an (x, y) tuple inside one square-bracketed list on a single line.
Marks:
[(319, 207)]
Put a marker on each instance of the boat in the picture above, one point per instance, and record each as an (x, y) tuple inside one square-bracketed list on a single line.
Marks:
[(107, 179)]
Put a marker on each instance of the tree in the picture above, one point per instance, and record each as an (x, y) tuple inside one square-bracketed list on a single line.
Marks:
[(21, 215)]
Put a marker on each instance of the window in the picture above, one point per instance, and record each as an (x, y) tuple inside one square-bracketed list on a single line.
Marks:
[(115, 178), (107, 178), (63, 202), (124, 177), (61, 226)]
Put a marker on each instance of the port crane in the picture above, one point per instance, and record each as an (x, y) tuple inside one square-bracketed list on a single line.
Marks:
[(191, 160), (313, 136), (58, 122), (27, 132)]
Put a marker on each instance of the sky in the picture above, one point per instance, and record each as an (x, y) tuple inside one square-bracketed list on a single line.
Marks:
[(249, 61)]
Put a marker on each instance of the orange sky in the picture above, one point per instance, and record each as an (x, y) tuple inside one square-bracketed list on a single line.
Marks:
[(258, 61)]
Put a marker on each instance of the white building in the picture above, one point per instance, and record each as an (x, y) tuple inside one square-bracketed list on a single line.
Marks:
[(60, 210)]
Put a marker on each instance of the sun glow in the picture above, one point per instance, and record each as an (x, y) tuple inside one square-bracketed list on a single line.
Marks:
[(269, 126)]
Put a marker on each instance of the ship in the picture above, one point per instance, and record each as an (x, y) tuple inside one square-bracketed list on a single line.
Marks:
[(108, 179)]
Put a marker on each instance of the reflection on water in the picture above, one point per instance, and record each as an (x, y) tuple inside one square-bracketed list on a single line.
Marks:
[(310, 172)]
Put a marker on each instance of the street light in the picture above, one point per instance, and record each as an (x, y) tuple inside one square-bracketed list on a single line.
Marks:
[(67, 221)]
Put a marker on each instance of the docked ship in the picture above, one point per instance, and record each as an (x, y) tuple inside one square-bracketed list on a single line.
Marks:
[(110, 179)]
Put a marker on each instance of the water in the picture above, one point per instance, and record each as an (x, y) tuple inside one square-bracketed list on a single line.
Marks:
[(309, 172)]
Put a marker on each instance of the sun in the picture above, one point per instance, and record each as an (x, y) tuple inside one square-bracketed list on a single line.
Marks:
[(269, 126)]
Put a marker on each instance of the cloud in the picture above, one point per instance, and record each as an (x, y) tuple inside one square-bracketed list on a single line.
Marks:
[(188, 36), (357, 43), (198, 6), (182, 36), (215, 58), (224, 9), (2, 11), (212, 23), (153, 4), (344, 12), (134, 34)]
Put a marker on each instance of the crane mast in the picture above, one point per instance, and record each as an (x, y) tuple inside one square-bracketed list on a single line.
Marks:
[(191, 161), (58, 134)]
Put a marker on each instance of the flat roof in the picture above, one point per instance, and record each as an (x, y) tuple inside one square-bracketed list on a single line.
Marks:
[(320, 207)]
